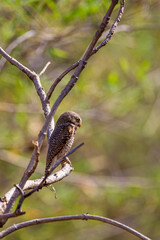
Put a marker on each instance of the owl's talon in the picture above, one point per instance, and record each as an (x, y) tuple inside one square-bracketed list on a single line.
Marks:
[(66, 160)]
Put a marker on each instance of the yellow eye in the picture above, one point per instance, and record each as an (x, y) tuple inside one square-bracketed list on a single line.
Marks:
[(78, 120)]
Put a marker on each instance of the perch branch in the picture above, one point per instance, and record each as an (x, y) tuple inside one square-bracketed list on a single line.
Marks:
[(32, 184), (54, 167), (42, 183), (33, 222)]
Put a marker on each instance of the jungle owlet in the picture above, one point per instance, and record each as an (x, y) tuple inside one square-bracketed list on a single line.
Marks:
[(62, 137)]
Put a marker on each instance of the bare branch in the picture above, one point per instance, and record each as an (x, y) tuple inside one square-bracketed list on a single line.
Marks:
[(11, 215), (37, 83), (42, 183), (14, 62), (32, 184), (33, 222), (100, 30), (59, 79), (112, 29), (53, 178), (45, 68)]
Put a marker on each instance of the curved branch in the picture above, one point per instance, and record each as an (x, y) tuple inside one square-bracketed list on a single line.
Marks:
[(59, 79), (33, 222)]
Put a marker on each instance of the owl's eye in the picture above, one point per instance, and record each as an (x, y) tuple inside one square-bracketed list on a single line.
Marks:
[(77, 120)]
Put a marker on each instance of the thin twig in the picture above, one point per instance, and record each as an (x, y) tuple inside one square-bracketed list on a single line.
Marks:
[(11, 215), (45, 68), (14, 62), (100, 30), (33, 222), (112, 29), (59, 79)]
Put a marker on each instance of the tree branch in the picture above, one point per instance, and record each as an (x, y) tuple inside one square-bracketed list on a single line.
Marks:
[(112, 29), (45, 68), (37, 83), (43, 181), (32, 184), (59, 79), (33, 222), (11, 215), (45, 104)]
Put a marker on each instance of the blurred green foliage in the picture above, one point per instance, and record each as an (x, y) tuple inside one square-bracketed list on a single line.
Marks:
[(117, 172)]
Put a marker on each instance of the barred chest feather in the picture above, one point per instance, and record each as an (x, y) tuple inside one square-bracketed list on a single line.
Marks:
[(67, 146)]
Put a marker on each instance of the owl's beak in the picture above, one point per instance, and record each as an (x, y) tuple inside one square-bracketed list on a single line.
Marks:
[(79, 124)]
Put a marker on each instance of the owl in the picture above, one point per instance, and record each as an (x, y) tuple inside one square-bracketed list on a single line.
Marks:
[(62, 138)]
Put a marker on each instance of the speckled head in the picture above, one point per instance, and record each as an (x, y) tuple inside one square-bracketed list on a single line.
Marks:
[(70, 117)]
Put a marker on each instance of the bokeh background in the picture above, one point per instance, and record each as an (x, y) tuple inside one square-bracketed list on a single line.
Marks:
[(117, 172)]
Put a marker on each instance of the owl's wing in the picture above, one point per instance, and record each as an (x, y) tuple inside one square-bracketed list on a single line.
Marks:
[(58, 140)]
